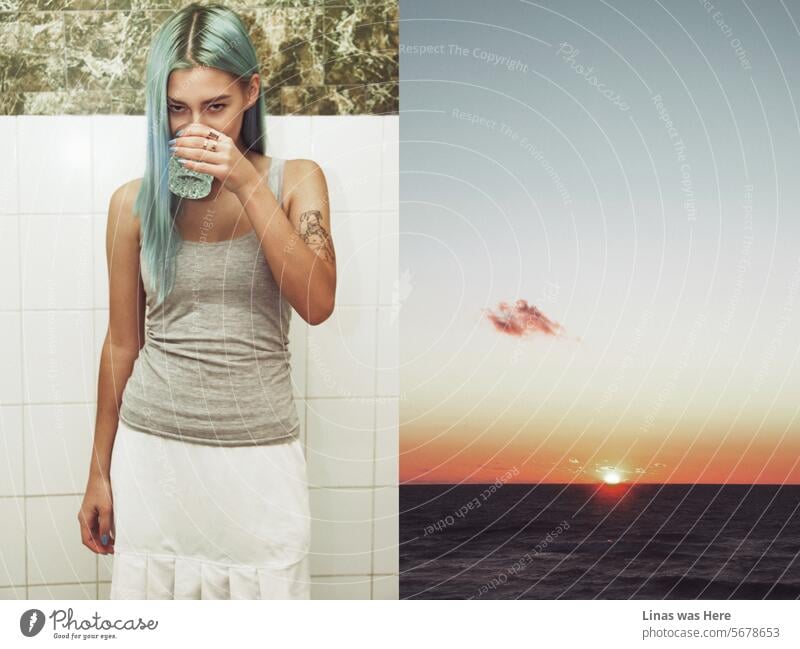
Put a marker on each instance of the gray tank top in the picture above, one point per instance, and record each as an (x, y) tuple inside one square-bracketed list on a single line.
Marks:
[(215, 365)]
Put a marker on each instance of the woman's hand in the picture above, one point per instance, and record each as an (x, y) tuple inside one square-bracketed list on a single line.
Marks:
[(220, 158), (96, 516)]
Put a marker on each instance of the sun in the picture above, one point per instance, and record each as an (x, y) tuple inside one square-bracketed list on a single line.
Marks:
[(612, 477)]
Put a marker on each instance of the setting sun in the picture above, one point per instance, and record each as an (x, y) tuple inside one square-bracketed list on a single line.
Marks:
[(612, 477)]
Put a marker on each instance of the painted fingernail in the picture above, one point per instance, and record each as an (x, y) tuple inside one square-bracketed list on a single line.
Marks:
[(179, 132), (104, 539), (172, 141), (182, 161), (172, 149)]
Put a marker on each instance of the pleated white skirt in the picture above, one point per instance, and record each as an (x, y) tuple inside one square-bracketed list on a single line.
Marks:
[(194, 521)]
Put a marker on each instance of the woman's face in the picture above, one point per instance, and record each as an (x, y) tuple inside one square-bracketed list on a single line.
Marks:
[(211, 97)]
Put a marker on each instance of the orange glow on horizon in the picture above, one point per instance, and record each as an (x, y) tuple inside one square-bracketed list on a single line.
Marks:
[(452, 460)]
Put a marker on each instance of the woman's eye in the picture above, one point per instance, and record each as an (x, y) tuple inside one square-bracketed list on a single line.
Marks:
[(215, 108)]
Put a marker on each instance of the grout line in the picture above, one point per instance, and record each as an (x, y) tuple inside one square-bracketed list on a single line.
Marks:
[(105, 308), (351, 212), (63, 494), (21, 352), (108, 581), (376, 370), (306, 325), (351, 397), (93, 346)]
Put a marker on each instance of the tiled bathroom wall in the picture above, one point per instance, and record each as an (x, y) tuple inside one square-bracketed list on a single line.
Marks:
[(56, 176)]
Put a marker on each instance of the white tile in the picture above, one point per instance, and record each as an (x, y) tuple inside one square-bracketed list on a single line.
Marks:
[(387, 364), (289, 136), (298, 350), (55, 551), (57, 267), (9, 261), (105, 567), (349, 150), (57, 348), (99, 223), (55, 164), (86, 590), (104, 588), (341, 354), (387, 419), (390, 175), (389, 286), (12, 542), (341, 531), (340, 442), (58, 448), (356, 240), (13, 592), (386, 587), (10, 352), (119, 150), (300, 404), (387, 532), (11, 454), (8, 165), (355, 587)]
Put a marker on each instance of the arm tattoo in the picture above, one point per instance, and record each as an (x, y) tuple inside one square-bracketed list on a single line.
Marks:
[(315, 236)]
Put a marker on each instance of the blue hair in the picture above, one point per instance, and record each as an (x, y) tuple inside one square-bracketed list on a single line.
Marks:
[(195, 36)]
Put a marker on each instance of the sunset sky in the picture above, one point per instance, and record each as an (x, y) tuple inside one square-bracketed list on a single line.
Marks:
[(600, 237)]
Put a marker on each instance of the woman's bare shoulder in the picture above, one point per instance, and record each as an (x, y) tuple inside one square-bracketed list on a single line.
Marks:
[(127, 191), (295, 165), (297, 170), (122, 219)]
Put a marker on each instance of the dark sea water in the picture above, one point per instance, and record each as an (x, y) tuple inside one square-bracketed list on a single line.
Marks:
[(607, 542)]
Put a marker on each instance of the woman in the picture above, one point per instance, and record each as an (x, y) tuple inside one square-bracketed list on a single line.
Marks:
[(197, 482)]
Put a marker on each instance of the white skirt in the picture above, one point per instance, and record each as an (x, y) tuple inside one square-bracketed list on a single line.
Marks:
[(194, 521)]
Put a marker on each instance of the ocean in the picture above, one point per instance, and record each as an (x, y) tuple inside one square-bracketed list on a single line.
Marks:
[(550, 541)]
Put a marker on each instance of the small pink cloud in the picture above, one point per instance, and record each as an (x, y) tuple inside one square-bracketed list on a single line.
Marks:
[(522, 319)]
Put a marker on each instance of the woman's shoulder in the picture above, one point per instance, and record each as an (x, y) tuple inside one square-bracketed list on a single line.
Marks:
[(127, 191), (296, 172), (121, 212), (299, 169), (300, 164)]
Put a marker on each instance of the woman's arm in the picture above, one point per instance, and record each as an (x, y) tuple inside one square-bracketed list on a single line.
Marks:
[(125, 334), (298, 245), (123, 340)]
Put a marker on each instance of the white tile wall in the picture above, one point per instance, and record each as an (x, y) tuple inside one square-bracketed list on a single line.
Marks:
[(12, 542), (56, 267), (9, 260), (58, 447), (55, 551), (54, 313), (11, 353), (11, 456), (341, 531), (340, 435)]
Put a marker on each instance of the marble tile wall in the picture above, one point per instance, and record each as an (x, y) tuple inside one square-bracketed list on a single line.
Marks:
[(87, 57)]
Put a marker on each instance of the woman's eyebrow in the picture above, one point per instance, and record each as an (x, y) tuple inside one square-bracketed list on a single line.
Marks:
[(207, 101)]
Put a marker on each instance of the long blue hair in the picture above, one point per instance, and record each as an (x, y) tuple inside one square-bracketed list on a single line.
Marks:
[(197, 35)]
